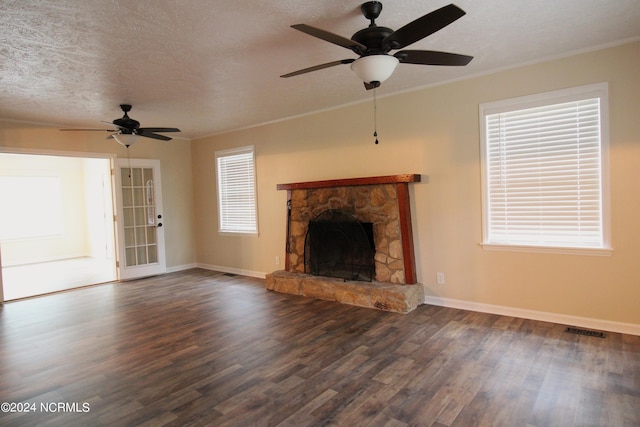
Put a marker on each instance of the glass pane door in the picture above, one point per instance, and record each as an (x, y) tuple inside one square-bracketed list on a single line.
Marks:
[(140, 222), (139, 219)]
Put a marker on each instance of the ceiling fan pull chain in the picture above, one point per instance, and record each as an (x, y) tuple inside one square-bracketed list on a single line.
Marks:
[(375, 117), (130, 170)]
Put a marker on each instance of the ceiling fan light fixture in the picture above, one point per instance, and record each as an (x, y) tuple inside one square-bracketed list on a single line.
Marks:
[(126, 139), (374, 68)]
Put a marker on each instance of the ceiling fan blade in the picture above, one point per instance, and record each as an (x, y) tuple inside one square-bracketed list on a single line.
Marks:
[(93, 130), (147, 134), (432, 57), (319, 67), (158, 130), (331, 38), (118, 126), (422, 27)]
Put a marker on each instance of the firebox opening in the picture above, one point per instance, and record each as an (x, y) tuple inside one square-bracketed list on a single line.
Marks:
[(338, 245)]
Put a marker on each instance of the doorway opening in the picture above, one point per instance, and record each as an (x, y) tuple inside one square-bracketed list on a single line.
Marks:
[(57, 228)]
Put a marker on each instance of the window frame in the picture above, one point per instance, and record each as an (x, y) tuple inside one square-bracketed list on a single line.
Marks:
[(597, 90), (222, 227)]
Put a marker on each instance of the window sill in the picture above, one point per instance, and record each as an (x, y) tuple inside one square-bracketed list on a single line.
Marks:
[(548, 249), (238, 233)]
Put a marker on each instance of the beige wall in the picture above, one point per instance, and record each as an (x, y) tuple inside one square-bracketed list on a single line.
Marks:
[(435, 132), (175, 163)]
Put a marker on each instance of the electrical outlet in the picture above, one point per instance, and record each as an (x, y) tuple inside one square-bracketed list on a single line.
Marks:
[(277, 260), (440, 278)]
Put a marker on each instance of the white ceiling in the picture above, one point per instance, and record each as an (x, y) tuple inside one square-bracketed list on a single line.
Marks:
[(210, 66)]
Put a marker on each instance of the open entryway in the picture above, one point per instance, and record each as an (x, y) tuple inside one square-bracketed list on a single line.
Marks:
[(56, 223)]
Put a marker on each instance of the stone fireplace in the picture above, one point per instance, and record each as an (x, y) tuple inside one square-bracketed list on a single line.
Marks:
[(382, 203)]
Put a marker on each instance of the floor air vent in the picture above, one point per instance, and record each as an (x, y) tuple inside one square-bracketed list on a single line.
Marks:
[(587, 332)]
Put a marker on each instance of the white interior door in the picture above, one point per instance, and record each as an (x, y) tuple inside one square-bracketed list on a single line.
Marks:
[(139, 218)]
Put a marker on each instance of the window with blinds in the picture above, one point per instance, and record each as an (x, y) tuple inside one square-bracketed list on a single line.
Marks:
[(544, 170), (237, 211)]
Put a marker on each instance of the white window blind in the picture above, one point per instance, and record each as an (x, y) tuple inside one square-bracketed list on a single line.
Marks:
[(543, 172), (237, 190)]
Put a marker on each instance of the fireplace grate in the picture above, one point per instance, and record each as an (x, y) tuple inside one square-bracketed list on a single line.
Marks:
[(586, 332)]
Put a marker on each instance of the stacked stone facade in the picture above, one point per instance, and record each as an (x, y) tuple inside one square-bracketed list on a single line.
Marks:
[(375, 203)]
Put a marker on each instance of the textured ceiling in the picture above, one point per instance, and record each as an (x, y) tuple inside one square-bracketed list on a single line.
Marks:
[(210, 66)]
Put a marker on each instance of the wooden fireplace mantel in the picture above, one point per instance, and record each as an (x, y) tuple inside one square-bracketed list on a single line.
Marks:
[(348, 182), (404, 208)]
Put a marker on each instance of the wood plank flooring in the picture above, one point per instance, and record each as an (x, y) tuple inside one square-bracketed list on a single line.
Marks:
[(203, 348)]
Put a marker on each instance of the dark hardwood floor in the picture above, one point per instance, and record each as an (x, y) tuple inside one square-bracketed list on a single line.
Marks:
[(203, 348)]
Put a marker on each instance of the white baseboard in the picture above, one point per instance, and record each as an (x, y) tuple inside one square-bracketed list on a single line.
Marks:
[(239, 271), (584, 322)]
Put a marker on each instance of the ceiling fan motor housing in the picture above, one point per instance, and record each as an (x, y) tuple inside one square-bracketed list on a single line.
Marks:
[(126, 124), (372, 38)]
